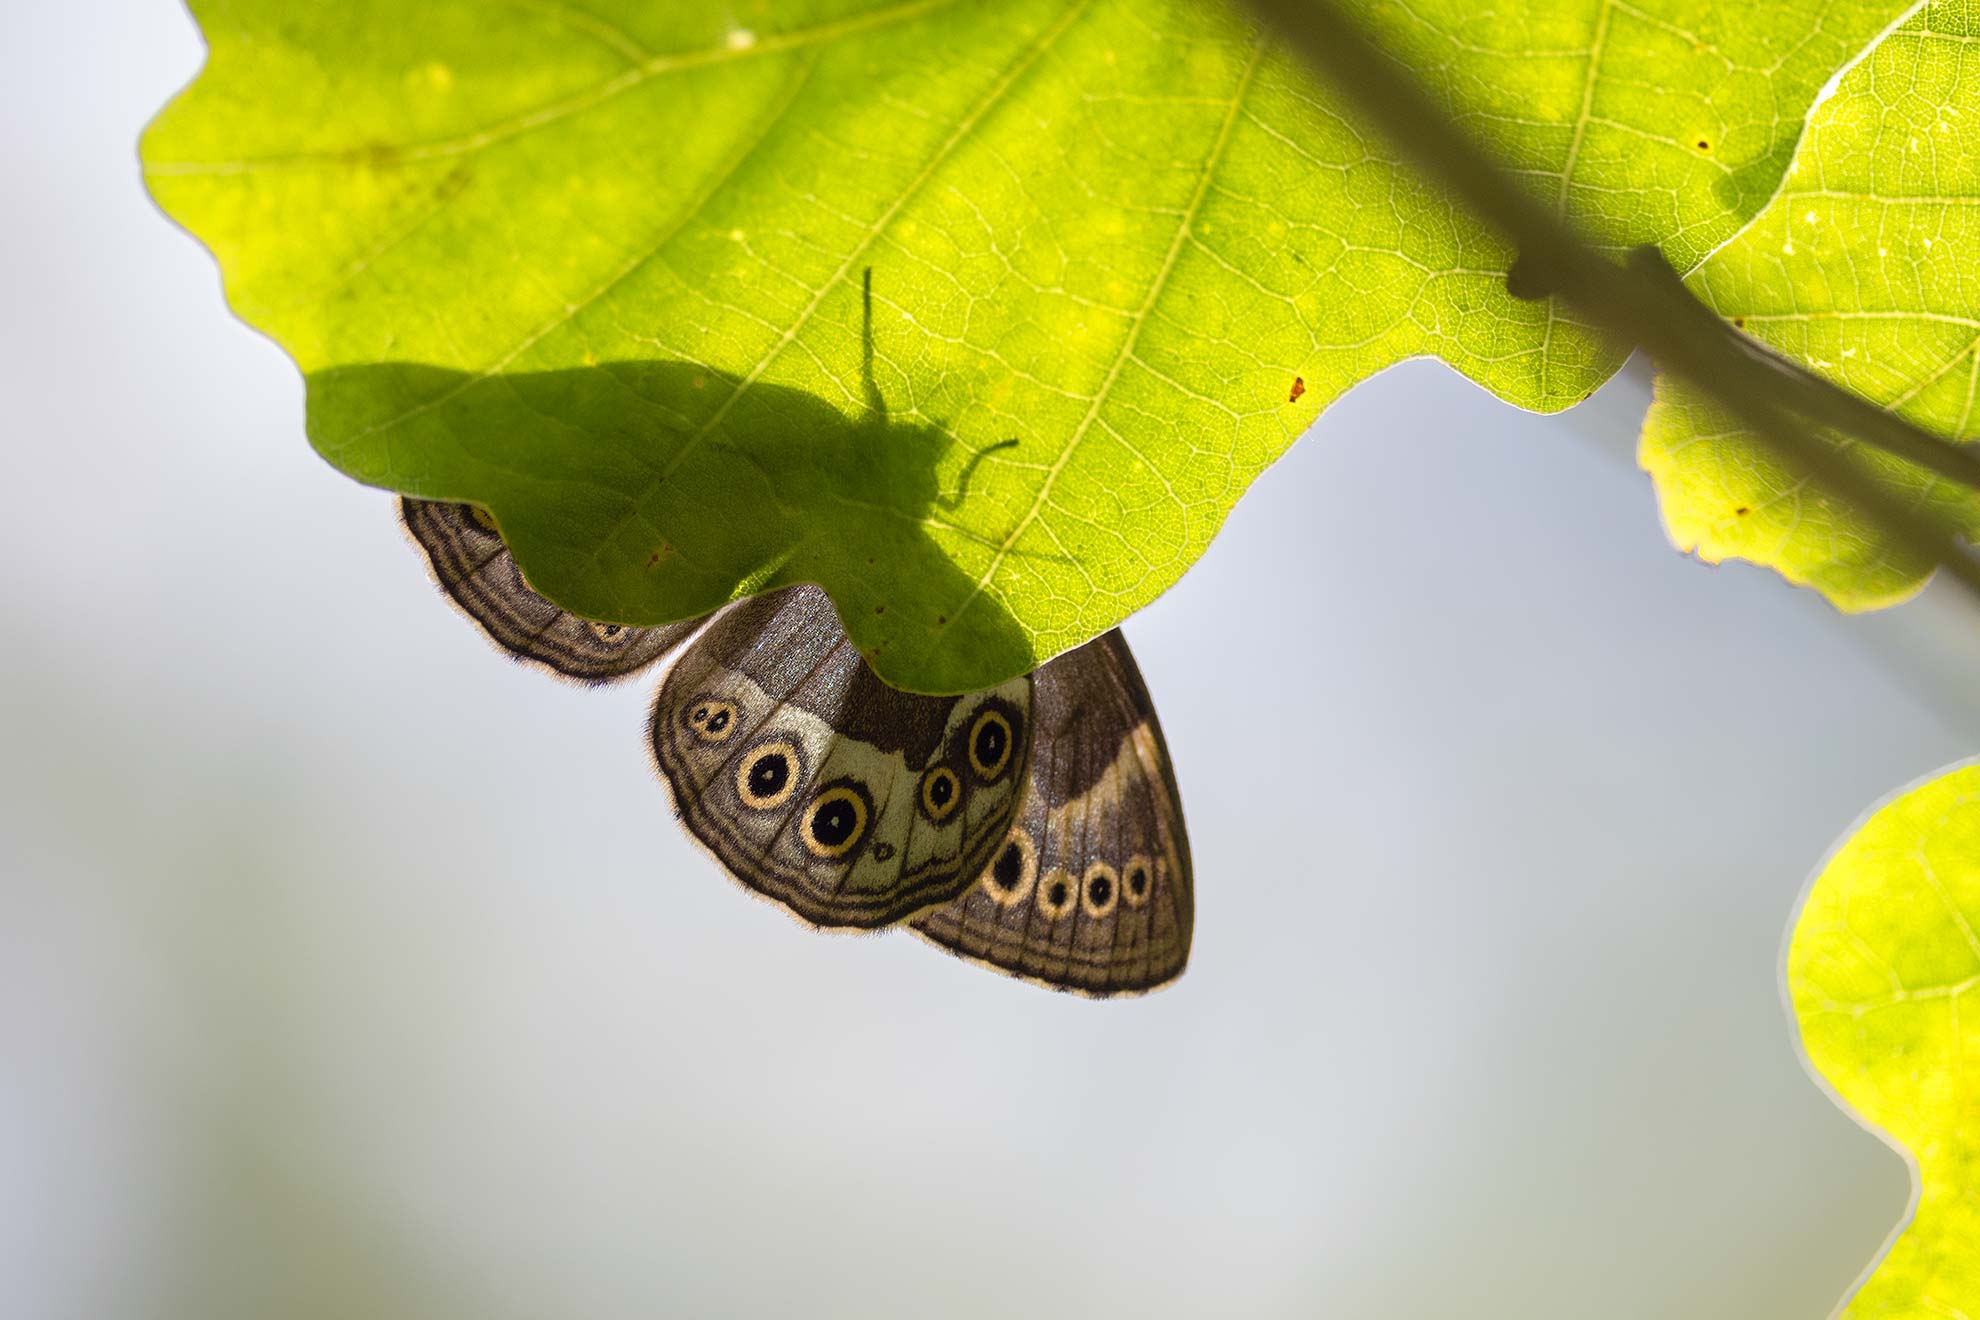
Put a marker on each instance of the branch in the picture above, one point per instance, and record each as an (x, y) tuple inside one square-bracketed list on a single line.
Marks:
[(1642, 303)]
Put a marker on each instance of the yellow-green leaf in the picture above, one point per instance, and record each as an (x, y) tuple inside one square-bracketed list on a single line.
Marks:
[(602, 267), (1883, 971), (1863, 266)]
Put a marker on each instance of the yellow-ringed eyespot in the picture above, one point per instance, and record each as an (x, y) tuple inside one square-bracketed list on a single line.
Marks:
[(835, 820), (710, 719), (1099, 890), (483, 519), (1137, 882), (1009, 877), (768, 774), (991, 743), (1056, 893), (941, 792)]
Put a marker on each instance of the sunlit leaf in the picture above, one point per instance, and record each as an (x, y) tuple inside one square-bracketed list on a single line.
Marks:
[(1883, 971), (602, 268), (1863, 267)]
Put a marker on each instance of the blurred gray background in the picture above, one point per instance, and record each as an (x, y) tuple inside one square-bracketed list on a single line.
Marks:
[(348, 969)]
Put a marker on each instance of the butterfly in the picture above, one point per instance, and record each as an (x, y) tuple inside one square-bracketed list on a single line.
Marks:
[(1033, 828)]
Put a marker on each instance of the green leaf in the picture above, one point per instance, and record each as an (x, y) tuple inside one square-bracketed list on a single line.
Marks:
[(1884, 962), (601, 268), (1863, 268)]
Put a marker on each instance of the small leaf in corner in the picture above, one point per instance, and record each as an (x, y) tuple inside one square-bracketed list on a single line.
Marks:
[(1883, 961)]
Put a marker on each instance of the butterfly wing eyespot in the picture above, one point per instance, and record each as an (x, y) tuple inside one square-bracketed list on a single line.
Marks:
[(835, 820), (941, 794), (710, 718), (1099, 890), (1012, 873), (1137, 881), (1056, 895), (768, 774), (991, 742)]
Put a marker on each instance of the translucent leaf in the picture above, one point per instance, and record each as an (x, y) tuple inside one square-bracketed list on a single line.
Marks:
[(602, 268), (1883, 967), (1863, 267)]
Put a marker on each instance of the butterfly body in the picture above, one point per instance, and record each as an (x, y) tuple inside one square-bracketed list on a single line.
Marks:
[(1034, 827)]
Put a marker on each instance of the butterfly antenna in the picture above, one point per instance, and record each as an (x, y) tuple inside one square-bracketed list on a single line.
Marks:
[(954, 502)]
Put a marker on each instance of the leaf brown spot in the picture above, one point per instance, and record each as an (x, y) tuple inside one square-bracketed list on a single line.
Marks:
[(377, 156), (453, 185), (1298, 388)]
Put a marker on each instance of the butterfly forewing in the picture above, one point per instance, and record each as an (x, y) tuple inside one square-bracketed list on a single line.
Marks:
[(1090, 891), (475, 569), (817, 785)]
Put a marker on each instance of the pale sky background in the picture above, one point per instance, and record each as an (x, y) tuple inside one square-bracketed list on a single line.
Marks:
[(346, 968)]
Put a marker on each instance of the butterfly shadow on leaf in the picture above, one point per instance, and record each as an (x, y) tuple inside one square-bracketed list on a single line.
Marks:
[(650, 491)]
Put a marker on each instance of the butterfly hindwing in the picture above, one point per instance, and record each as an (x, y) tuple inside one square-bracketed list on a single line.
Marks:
[(1091, 889), (848, 802), (476, 570)]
